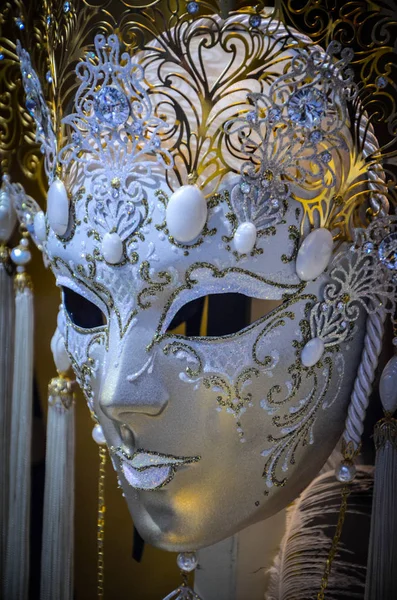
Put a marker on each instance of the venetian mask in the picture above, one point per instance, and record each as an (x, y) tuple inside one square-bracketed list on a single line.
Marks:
[(224, 158)]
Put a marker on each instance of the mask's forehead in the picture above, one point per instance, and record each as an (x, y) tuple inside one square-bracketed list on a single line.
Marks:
[(210, 262), (191, 104)]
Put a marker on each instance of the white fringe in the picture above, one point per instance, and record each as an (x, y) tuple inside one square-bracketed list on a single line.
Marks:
[(299, 566), (17, 559), (381, 581), (58, 526), (7, 344)]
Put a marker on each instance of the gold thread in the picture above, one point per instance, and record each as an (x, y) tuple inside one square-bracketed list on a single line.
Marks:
[(4, 254), (22, 281), (60, 392), (101, 523), (335, 542), (385, 431)]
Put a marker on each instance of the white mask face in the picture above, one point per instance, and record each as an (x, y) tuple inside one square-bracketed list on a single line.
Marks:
[(207, 434), (237, 426)]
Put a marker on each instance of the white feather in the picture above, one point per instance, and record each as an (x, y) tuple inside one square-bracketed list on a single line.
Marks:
[(299, 566)]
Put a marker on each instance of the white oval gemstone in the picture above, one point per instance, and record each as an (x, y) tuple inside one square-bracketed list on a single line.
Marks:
[(314, 254), (112, 248), (388, 386), (8, 216), (312, 352), (97, 434), (39, 226), (245, 237), (61, 358), (186, 213), (20, 255), (58, 207)]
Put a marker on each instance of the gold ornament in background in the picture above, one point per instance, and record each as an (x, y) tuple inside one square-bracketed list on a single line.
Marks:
[(59, 34)]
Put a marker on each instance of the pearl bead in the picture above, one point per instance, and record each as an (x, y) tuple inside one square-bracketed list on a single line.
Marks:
[(186, 213), (61, 357), (39, 226), (8, 216), (245, 237), (345, 472), (112, 248), (97, 435), (58, 207), (187, 561), (20, 255), (312, 352), (314, 254), (388, 386)]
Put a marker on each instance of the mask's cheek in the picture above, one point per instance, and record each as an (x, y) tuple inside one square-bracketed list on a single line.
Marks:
[(87, 353)]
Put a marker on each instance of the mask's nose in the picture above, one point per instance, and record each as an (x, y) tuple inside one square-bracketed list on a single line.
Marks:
[(130, 388)]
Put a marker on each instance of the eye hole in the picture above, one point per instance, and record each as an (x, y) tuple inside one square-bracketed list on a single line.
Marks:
[(217, 315), (81, 311)]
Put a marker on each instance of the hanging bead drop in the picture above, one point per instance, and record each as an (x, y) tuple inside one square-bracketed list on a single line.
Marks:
[(187, 562)]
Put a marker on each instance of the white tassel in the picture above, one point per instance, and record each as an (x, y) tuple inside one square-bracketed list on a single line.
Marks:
[(58, 527), (7, 343), (58, 520), (7, 224), (17, 559), (381, 582)]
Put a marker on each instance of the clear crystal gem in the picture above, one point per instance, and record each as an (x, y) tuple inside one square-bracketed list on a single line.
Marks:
[(368, 247), (324, 307), (340, 306), (137, 127), (48, 77), (111, 106), (345, 472), (19, 23), (66, 7), (387, 251), (187, 561), (315, 136), (245, 187), (274, 114), (31, 105), (381, 81), (192, 7), (251, 117), (306, 107), (325, 156), (343, 325), (255, 20), (274, 203)]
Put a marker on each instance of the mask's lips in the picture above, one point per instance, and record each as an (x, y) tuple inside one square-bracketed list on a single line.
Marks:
[(145, 470)]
